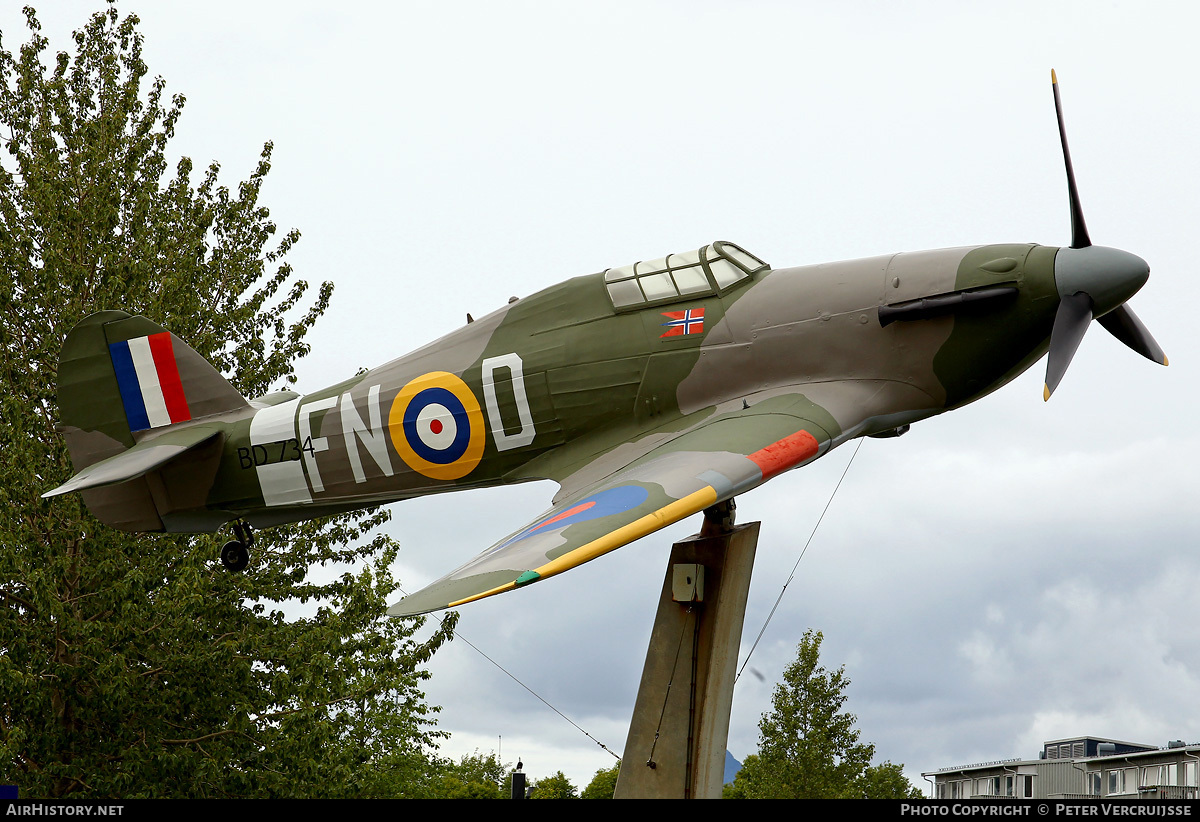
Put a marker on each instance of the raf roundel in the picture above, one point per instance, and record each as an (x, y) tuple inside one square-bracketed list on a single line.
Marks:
[(437, 426)]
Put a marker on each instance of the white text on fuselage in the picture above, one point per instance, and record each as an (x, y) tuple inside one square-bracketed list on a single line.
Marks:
[(434, 424)]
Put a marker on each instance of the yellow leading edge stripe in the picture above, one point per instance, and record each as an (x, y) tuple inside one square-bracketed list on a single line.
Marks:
[(667, 515)]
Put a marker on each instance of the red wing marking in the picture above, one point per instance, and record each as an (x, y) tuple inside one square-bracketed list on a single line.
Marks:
[(784, 454), (578, 509)]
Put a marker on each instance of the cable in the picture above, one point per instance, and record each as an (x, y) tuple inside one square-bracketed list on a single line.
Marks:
[(792, 576), (458, 635), (667, 695)]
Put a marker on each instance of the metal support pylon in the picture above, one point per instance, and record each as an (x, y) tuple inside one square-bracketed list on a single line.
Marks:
[(680, 726)]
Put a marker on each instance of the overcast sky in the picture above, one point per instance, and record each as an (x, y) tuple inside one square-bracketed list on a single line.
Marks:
[(1013, 572)]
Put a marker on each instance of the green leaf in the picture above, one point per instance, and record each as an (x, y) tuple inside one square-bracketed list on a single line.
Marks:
[(134, 665)]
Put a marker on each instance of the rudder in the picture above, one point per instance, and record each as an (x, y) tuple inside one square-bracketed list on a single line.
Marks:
[(123, 380)]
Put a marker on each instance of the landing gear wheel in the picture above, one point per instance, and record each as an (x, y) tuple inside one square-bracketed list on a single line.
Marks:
[(234, 556)]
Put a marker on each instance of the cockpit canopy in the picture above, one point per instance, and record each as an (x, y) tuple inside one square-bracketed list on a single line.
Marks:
[(713, 269)]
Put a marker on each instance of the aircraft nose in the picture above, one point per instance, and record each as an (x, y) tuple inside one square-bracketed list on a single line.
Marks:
[(1109, 276)]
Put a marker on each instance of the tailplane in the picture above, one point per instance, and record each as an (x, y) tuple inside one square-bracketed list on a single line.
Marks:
[(141, 414)]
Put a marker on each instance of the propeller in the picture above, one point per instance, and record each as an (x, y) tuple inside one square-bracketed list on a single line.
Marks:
[(1092, 281)]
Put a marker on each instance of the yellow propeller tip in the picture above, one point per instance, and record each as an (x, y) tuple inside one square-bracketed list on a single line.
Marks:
[(1045, 393), (1053, 76), (1165, 360)]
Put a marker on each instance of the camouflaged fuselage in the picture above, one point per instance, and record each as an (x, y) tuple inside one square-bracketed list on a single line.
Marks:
[(562, 367), (644, 405)]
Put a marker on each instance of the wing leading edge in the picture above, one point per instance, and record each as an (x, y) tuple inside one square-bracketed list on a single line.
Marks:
[(700, 468)]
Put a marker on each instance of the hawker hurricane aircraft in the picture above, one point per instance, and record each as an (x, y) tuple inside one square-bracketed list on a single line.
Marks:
[(648, 392)]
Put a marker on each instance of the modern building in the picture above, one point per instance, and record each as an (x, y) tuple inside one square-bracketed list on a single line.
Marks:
[(1085, 767)]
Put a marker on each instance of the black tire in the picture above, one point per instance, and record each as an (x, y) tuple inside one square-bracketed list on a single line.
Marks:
[(234, 556)]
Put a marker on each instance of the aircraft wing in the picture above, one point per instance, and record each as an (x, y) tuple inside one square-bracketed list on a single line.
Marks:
[(701, 466)]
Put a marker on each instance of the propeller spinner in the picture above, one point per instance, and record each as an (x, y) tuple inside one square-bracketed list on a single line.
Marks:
[(1093, 282)]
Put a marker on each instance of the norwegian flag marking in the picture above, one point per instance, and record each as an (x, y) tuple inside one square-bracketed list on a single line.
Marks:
[(681, 323)]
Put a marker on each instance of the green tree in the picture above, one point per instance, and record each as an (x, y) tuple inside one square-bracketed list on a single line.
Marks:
[(554, 787), (134, 665), (603, 784), (808, 746), (887, 781), (474, 776), (737, 788)]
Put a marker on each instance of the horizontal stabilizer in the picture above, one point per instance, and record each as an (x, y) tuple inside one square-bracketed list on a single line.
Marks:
[(137, 461)]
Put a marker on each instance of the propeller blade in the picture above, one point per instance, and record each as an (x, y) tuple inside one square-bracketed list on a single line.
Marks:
[(1079, 232), (1070, 324), (1123, 324)]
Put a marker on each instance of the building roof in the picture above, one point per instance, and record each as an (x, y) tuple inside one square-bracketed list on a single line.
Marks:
[(1090, 746)]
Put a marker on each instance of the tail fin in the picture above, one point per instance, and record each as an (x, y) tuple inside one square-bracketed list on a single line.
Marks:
[(124, 384)]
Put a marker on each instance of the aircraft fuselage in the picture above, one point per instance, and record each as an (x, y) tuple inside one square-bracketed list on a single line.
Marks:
[(490, 402)]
